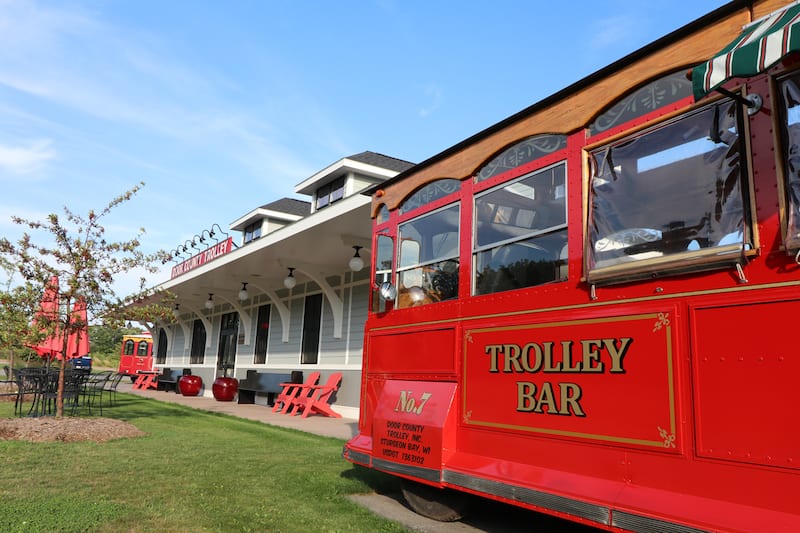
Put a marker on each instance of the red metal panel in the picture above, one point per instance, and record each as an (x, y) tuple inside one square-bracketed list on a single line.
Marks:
[(410, 421), (427, 351), (745, 383)]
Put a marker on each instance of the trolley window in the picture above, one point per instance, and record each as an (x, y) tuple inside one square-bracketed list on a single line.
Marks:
[(670, 198), (141, 349), (520, 232), (428, 258), (383, 271), (790, 107)]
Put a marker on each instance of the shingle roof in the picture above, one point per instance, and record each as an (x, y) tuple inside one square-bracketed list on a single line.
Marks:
[(380, 160), (290, 206)]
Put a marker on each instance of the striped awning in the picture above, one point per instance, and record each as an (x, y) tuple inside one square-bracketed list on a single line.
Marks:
[(760, 45)]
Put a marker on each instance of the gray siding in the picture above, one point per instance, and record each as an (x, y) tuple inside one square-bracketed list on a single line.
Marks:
[(345, 352), (358, 318)]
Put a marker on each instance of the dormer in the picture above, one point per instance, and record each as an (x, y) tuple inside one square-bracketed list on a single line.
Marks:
[(349, 176), (270, 217)]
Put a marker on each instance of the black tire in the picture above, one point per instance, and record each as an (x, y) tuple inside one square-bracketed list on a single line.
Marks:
[(443, 505), (133, 379)]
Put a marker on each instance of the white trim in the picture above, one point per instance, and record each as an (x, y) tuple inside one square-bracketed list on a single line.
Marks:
[(333, 299), (253, 216), (335, 170), (244, 316), (206, 323), (313, 221)]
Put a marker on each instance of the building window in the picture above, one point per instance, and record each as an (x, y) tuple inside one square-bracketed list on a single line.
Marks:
[(312, 317), (669, 196), (228, 338), (427, 269), (252, 232), (330, 193), (161, 355), (198, 353), (520, 232), (262, 334)]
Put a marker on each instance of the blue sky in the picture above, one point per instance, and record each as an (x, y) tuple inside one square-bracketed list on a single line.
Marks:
[(222, 106)]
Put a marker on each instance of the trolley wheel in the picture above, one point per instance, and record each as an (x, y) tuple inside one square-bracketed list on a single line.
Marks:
[(133, 379), (444, 505)]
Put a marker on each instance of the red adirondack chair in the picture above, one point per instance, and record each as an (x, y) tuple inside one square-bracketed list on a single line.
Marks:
[(291, 391), (317, 400)]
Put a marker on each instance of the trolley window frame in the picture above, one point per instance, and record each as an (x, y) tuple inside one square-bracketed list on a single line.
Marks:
[(690, 260)]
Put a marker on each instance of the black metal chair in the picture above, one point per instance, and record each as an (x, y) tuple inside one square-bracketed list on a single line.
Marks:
[(111, 387), (93, 389), (74, 381), (47, 393), (29, 382)]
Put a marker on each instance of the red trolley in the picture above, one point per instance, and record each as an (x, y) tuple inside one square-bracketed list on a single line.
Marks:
[(587, 308), (136, 354)]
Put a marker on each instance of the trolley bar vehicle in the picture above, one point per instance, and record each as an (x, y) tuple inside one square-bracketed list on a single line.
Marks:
[(587, 309)]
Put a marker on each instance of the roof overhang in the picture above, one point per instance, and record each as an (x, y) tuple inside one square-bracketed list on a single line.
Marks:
[(258, 214), (340, 168), (321, 243)]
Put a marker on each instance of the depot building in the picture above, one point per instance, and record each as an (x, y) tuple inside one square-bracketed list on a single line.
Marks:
[(282, 290)]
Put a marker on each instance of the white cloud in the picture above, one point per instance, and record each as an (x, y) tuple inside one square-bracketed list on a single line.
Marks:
[(26, 159), (92, 69), (435, 95)]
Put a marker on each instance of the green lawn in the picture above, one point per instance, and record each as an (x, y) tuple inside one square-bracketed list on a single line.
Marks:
[(194, 471)]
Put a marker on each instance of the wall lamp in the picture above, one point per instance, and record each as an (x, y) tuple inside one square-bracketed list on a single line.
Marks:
[(289, 281), (210, 302), (176, 311), (192, 243), (243, 295), (212, 234), (356, 263)]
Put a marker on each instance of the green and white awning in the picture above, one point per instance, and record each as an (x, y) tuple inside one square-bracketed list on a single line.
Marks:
[(760, 45)]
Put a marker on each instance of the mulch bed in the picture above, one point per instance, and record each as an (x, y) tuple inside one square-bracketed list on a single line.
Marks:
[(66, 429)]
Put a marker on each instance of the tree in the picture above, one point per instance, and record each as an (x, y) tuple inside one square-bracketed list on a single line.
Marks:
[(17, 305), (85, 263)]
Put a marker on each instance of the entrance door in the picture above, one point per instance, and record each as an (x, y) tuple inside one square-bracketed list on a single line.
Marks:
[(226, 353)]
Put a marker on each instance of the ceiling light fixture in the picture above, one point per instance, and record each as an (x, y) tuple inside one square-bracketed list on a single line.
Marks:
[(289, 281), (356, 263)]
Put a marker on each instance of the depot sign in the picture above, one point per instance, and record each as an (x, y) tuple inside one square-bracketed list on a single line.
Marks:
[(209, 254)]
